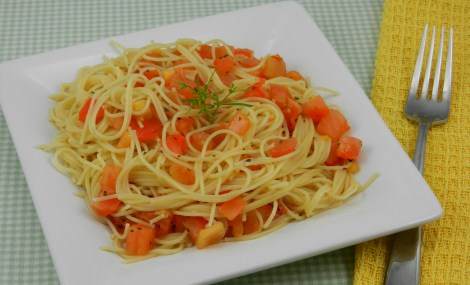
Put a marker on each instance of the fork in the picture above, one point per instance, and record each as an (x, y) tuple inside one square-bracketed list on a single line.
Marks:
[(427, 110)]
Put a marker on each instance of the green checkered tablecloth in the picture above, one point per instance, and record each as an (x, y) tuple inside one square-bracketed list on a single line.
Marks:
[(29, 26)]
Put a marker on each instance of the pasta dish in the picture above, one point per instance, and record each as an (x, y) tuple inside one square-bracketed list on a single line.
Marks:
[(192, 143)]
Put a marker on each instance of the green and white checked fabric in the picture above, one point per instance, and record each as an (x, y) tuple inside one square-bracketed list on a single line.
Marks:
[(29, 26)]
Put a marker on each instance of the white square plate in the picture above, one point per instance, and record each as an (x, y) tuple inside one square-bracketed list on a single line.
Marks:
[(398, 200)]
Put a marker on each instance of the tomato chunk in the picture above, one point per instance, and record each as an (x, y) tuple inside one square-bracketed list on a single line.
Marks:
[(294, 75), (108, 187), (232, 208), (333, 158), (163, 227), (257, 90), (194, 225), (198, 139), (150, 74), (84, 112), (252, 223), (108, 179), (181, 174), (106, 207), (283, 147), (177, 144), (265, 211), (210, 235), (333, 125), (289, 107), (240, 124), (224, 65), (349, 148), (140, 240), (236, 226), (151, 129), (205, 51), (315, 109), (184, 125), (274, 67)]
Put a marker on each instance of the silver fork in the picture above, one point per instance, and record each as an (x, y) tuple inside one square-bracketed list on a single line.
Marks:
[(404, 265)]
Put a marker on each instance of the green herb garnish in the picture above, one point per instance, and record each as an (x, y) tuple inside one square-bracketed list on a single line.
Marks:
[(208, 102)]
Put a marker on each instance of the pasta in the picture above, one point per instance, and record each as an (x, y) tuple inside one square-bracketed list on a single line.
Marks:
[(193, 143)]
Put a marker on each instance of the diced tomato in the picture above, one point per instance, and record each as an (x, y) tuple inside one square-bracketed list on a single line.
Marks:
[(116, 122), (265, 211), (184, 125), (194, 225), (139, 84), (84, 112), (280, 95), (163, 227), (252, 223), (210, 235), (145, 215), (178, 80), (243, 51), (333, 158), (106, 207), (177, 144), (232, 208), (151, 129), (224, 65), (119, 223), (124, 141), (236, 226), (283, 147), (240, 124), (294, 75), (289, 107), (282, 209), (259, 83), (177, 222), (140, 240), (198, 139), (108, 179), (219, 138), (108, 187), (248, 61), (245, 57), (333, 125), (227, 78), (220, 52), (205, 51), (292, 113), (349, 148), (150, 74), (257, 90), (274, 67), (255, 93), (315, 109), (181, 174)]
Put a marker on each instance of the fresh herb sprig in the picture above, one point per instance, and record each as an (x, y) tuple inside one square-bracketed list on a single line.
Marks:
[(208, 102)]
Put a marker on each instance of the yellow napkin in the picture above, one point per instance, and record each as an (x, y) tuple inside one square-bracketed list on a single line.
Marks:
[(446, 250)]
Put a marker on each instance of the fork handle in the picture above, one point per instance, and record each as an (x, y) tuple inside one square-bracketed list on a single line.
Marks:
[(404, 265), (420, 148)]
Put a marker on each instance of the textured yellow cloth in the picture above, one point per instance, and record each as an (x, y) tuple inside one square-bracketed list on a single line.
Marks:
[(446, 250)]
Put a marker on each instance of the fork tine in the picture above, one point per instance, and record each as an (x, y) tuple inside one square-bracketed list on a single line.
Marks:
[(418, 65), (437, 72), (427, 75), (446, 90)]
